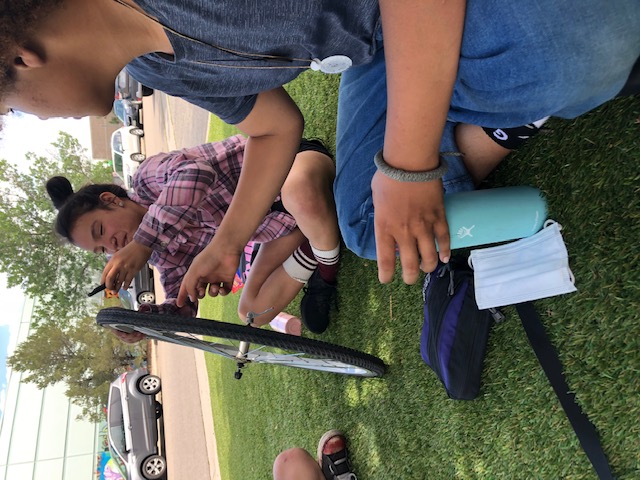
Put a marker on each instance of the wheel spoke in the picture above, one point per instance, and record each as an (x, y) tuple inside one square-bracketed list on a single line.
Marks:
[(265, 346)]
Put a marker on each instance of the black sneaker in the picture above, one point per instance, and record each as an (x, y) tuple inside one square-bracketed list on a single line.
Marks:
[(316, 303), (333, 457)]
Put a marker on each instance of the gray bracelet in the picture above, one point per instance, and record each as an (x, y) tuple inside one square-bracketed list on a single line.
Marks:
[(407, 176)]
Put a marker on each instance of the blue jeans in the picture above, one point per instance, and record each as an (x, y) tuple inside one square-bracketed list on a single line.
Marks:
[(520, 62)]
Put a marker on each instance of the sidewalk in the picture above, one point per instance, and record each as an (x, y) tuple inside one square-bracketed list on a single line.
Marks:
[(189, 379), (189, 426)]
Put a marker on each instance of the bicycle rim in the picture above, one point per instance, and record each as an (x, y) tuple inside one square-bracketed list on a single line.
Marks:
[(266, 346)]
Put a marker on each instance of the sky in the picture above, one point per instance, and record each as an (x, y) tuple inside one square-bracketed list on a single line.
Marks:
[(21, 134)]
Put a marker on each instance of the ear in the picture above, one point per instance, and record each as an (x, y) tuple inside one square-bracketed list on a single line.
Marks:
[(108, 198), (28, 58)]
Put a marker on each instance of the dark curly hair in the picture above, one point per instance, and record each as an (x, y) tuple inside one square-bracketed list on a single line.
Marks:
[(18, 19), (72, 205)]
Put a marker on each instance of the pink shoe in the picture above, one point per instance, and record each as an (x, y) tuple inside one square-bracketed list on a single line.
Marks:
[(285, 323)]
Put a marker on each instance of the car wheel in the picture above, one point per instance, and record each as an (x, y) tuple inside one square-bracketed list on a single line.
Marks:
[(138, 157), (154, 467), (149, 385), (158, 406), (147, 297), (138, 132)]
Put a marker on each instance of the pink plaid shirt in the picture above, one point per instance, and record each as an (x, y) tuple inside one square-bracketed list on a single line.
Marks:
[(188, 192)]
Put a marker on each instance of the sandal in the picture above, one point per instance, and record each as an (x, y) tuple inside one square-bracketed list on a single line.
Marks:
[(334, 459)]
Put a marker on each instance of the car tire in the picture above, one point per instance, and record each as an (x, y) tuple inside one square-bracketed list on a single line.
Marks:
[(146, 297), (154, 467), (149, 385), (138, 157), (158, 407), (138, 132)]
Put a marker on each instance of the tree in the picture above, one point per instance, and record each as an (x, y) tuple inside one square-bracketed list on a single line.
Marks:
[(33, 257), (83, 355)]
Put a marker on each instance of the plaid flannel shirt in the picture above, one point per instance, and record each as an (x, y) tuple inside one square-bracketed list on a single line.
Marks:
[(187, 193)]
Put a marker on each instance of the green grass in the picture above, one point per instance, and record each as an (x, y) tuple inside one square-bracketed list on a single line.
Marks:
[(403, 426)]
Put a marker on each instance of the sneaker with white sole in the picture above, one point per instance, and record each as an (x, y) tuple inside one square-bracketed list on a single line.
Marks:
[(333, 456)]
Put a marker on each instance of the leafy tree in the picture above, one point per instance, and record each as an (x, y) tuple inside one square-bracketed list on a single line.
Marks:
[(83, 355), (33, 257)]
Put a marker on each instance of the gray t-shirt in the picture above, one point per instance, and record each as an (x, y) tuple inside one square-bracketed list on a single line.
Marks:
[(295, 29)]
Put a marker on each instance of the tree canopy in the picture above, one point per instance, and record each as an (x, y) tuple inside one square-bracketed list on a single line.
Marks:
[(65, 343), (33, 257), (83, 355)]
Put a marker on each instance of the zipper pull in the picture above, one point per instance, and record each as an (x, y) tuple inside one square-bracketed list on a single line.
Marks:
[(497, 315)]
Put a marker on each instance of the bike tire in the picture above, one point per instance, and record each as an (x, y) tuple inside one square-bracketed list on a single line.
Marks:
[(366, 365)]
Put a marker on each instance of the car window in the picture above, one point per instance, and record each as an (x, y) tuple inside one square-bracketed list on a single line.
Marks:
[(116, 142), (115, 420), (117, 164), (119, 461), (119, 109)]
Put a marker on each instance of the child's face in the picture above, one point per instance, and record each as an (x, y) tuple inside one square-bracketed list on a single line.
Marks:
[(106, 231)]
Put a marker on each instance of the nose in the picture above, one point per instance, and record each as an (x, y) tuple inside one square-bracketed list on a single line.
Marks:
[(110, 245), (114, 243)]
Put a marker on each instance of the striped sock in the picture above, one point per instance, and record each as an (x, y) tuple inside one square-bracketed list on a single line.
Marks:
[(328, 261), (300, 265)]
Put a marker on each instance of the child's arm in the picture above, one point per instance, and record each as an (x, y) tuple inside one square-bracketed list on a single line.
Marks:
[(422, 46), (190, 179), (274, 127)]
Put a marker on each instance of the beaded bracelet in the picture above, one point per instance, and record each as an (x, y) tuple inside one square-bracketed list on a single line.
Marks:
[(407, 176)]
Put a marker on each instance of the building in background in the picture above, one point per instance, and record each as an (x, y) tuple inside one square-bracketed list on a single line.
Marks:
[(40, 437), (101, 130)]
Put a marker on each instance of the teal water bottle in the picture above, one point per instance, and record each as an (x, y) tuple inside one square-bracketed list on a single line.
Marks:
[(494, 215)]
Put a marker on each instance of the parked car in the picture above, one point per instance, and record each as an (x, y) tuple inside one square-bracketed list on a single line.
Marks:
[(126, 153), (143, 286), (128, 112), (126, 300), (142, 289), (132, 419), (128, 88), (123, 171)]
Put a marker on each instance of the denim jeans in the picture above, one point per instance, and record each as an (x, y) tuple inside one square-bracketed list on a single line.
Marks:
[(520, 62)]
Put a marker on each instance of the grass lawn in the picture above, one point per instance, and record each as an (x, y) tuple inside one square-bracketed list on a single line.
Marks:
[(403, 426)]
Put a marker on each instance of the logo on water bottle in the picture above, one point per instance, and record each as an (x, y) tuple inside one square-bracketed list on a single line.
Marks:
[(465, 232)]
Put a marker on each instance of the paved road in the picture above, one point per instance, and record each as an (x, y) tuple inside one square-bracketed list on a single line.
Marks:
[(171, 123)]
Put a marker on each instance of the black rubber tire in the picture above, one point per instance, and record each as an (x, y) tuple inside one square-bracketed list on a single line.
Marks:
[(159, 465), (176, 323), (149, 391)]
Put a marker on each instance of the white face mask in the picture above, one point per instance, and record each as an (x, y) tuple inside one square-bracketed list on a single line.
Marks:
[(528, 269)]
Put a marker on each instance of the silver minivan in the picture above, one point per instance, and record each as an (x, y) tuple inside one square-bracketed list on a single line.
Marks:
[(132, 418)]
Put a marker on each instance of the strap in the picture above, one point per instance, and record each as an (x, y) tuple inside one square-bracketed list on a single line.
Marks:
[(548, 358)]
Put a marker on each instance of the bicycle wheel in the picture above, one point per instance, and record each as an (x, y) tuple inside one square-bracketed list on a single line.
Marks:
[(266, 346)]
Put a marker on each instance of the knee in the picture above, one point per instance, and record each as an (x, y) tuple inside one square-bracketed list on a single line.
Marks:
[(244, 307), (308, 197), (291, 463)]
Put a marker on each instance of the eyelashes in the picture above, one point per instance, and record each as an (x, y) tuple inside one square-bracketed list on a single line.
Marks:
[(103, 250)]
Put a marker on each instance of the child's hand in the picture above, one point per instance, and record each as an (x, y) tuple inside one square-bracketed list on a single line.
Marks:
[(410, 216), (213, 266), (124, 264)]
